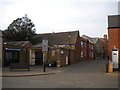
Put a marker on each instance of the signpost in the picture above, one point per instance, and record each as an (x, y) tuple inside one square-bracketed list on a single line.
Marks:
[(44, 51)]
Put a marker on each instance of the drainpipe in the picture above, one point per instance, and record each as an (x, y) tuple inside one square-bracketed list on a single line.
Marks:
[(69, 36)]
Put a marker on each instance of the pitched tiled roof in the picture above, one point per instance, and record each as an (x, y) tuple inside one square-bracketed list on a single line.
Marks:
[(92, 40), (82, 39), (18, 43), (61, 38), (106, 40), (39, 45)]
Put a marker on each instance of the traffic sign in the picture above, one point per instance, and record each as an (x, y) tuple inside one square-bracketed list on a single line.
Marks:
[(44, 45), (44, 51)]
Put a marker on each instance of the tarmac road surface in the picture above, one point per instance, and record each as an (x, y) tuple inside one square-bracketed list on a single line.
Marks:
[(85, 74)]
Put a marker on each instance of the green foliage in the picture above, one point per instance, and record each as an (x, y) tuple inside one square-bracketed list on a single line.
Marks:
[(20, 29)]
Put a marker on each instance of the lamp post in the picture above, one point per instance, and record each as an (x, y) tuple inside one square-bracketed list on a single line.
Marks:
[(45, 51), (69, 36)]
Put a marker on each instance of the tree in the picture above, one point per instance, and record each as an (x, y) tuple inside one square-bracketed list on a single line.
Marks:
[(20, 29)]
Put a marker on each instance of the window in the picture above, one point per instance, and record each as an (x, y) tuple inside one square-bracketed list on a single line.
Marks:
[(58, 50), (8, 55), (61, 46), (81, 43), (81, 53), (53, 53), (11, 57), (15, 56), (84, 44), (62, 52), (92, 47), (66, 60)]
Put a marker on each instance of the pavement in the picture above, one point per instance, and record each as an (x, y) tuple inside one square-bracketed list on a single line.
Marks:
[(34, 71)]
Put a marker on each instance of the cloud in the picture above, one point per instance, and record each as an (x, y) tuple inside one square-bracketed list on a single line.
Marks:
[(60, 15)]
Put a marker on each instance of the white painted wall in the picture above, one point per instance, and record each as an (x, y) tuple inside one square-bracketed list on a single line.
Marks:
[(32, 57)]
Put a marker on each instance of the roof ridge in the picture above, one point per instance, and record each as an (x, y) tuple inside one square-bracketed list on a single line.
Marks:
[(58, 32)]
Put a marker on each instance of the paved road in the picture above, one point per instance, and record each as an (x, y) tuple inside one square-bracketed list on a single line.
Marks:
[(85, 74)]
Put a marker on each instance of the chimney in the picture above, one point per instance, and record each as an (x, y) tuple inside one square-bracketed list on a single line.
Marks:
[(105, 37)]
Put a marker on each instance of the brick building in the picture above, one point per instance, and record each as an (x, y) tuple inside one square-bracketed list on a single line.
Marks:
[(90, 51), (83, 49), (63, 47), (15, 52), (104, 42), (114, 34), (97, 47), (86, 50)]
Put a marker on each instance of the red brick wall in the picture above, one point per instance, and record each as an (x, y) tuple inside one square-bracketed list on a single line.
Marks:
[(105, 45), (61, 55), (87, 51), (119, 43), (84, 50), (77, 50), (84, 37), (114, 40), (90, 51)]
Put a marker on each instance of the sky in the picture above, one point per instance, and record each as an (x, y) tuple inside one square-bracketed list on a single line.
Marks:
[(90, 17)]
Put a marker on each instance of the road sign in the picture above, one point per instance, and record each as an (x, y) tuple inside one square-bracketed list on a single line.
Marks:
[(44, 51), (44, 45)]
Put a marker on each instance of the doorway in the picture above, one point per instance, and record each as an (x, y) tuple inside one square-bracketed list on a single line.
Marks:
[(38, 58)]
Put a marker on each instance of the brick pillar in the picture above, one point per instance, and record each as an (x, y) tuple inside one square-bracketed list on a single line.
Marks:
[(114, 40)]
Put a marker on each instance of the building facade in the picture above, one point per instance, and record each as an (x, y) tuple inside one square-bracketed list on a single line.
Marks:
[(97, 47), (90, 51), (86, 50), (104, 42), (114, 34), (0, 48), (64, 47), (98, 50), (15, 52)]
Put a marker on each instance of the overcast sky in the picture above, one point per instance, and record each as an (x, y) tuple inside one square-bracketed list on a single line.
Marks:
[(87, 16)]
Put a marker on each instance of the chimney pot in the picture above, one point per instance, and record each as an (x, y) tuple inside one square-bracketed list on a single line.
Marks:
[(105, 36)]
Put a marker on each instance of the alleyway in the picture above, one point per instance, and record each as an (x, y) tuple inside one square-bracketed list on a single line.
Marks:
[(85, 74)]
